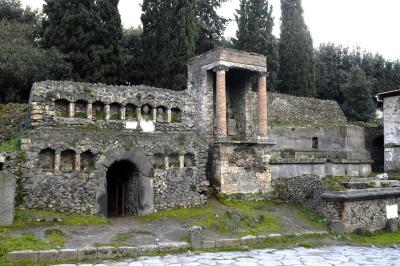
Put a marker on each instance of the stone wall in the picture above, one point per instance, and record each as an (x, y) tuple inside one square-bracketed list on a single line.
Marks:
[(391, 121), (241, 168), (291, 110), (11, 119), (71, 104), (53, 186)]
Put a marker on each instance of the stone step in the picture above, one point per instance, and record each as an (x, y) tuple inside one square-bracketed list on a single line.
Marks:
[(371, 184)]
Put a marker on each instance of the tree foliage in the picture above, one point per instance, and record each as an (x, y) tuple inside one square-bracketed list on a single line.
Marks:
[(254, 34), (88, 33), (296, 53), (22, 62), (358, 104), (211, 26), (169, 37)]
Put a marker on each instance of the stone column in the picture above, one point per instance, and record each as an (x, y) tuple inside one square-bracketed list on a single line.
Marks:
[(262, 106), (169, 115), (139, 113), (221, 102), (107, 111), (89, 111), (181, 161), (57, 161), (123, 112), (154, 115), (166, 162), (77, 162), (71, 110)]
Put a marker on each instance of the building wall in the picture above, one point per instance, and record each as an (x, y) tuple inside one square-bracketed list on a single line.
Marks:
[(391, 121)]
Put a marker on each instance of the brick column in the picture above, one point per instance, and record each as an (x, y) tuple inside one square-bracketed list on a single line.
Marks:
[(57, 162), (262, 106), (221, 102), (71, 110), (123, 112), (89, 111), (77, 162), (107, 111)]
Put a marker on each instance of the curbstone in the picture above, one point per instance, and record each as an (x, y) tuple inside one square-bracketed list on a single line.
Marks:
[(128, 252), (23, 255), (228, 242), (48, 255), (67, 254), (107, 252), (208, 244), (274, 236), (172, 246), (261, 238), (87, 254), (248, 240), (147, 249)]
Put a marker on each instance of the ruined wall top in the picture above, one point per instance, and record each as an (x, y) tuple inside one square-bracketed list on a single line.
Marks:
[(231, 58)]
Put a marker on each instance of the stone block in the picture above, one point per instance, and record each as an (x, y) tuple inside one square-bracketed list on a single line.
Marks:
[(208, 244), (232, 242), (248, 240), (337, 227), (172, 246), (274, 236), (67, 254), (87, 254), (128, 252), (147, 249), (48, 255), (107, 252), (23, 255), (261, 238), (196, 235), (7, 196), (392, 225)]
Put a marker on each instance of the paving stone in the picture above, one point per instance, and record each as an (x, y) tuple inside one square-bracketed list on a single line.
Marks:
[(228, 242), (67, 254), (128, 252), (48, 255), (87, 254), (107, 252), (23, 255)]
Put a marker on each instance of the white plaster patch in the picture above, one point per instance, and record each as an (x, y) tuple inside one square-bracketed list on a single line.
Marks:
[(392, 211), (131, 125), (147, 126)]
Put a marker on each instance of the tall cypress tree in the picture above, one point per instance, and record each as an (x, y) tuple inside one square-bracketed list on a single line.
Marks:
[(254, 34), (211, 26), (296, 53), (358, 104), (169, 36), (88, 32)]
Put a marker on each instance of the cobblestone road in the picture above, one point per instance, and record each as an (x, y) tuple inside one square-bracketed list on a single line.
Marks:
[(300, 256)]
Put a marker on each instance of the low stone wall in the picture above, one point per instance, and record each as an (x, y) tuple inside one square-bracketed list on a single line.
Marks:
[(11, 119), (364, 208), (305, 190), (286, 109)]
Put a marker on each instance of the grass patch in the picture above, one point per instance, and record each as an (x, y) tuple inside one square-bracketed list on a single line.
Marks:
[(310, 217), (14, 143), (178, 214), (378, 238), (333, 183), (81, 115), (28, 218)]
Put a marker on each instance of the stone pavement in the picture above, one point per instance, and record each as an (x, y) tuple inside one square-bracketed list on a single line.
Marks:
[(340, 255)]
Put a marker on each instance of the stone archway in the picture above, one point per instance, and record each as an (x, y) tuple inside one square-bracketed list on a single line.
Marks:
[(127, 166), (123, 189)]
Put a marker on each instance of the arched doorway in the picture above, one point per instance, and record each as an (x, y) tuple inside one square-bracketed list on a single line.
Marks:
[(123, 189), (377, 154)]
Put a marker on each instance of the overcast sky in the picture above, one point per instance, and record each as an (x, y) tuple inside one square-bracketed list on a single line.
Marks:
[(371, 24)]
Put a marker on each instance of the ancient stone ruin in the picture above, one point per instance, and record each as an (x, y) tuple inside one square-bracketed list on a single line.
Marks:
[(131, 150)]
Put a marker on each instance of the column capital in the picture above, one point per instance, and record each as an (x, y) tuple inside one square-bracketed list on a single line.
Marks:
[(220, 68), (263, 74)]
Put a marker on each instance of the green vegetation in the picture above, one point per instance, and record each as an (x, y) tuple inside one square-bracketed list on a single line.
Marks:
[(99, 115), (378, 238), (80, 115), (115, 117), (333, 183), (14, 143)]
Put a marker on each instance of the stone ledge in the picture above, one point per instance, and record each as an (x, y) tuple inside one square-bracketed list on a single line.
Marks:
[(361, 194), (121, 252)]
